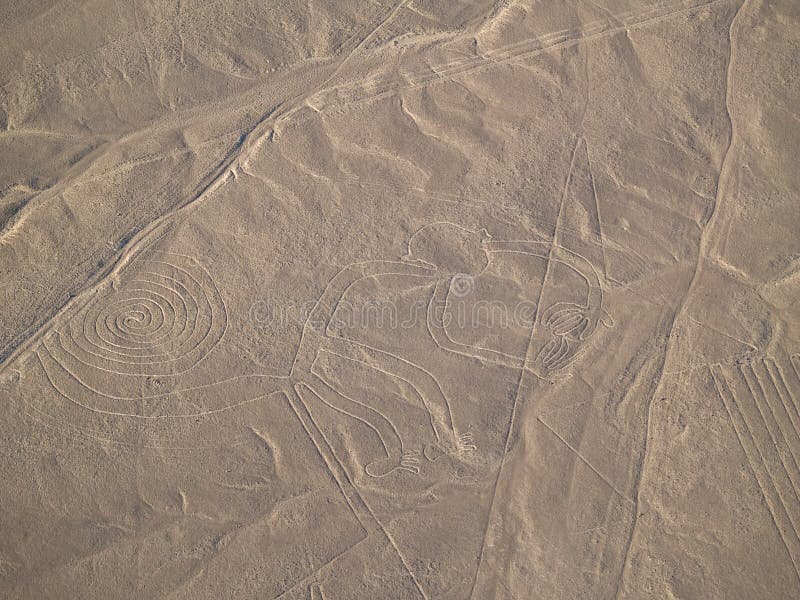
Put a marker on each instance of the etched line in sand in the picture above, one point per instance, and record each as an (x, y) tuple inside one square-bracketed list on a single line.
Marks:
[(315, 592), (161, 322), (760, 403), (772, 410), (360, 508), (587, 462), (165, 318), (251, 139), (602, 243), (348, 94), (521, 379), (568, 324)]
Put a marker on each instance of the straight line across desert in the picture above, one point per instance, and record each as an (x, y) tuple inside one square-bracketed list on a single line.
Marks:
[(399, 299)]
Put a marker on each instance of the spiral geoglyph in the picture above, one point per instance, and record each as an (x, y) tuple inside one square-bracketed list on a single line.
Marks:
[(160, 321)]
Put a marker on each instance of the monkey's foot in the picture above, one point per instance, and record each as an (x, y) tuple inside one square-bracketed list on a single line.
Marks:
[(466, 443), (462, 443), (408, 461)]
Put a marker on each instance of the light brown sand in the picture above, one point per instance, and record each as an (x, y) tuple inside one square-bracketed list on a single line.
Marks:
[(437, 299)]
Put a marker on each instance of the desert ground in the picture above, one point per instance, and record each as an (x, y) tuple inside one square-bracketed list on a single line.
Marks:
[(399, 299)]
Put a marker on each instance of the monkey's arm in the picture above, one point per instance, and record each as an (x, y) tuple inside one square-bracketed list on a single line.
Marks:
[(436, 316), (322, 313), (315, 328), (593, 309)]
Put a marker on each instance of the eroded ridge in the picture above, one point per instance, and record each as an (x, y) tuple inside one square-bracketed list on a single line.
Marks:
[(762, 397)]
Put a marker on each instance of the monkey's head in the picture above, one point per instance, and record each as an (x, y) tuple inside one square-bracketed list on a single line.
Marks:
[(450, 248)]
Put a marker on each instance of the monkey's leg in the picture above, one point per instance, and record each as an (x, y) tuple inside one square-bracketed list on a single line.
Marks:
[(375, 420), (424, 385)]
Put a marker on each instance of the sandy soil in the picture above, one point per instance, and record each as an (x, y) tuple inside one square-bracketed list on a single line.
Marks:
[(431, 299)]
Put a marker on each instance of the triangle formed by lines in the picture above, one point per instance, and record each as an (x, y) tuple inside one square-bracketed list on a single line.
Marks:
[(579, 227)]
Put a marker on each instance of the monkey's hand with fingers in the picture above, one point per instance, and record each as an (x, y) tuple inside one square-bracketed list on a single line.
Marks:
[(572, 321), (569, 326)]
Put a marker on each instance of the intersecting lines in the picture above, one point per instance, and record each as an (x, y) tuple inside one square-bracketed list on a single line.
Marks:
[(382, 84), (762, 398)]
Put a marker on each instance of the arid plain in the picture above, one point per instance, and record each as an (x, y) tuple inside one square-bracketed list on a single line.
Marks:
[(402, 299)]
